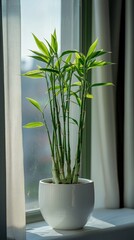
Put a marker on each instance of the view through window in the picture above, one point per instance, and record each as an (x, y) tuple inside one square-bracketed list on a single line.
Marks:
[(41, 17)]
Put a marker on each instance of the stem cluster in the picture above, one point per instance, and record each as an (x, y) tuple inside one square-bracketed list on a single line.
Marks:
[(63, 91)]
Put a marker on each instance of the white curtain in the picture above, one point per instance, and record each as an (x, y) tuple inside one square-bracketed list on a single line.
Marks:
[(104, 164), (14, 153), (129, 108)]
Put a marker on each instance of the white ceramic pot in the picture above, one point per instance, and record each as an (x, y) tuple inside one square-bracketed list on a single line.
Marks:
[(66, 206)]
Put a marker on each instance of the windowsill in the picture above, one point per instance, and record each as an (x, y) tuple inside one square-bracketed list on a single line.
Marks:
[(110, 224)]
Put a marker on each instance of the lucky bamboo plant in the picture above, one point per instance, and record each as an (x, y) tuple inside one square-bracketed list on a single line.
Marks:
[(66, 77)]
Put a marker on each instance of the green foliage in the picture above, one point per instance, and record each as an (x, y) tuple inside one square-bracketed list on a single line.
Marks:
[(35, 104), (33, 125), (42, 47), (59, 72), (34, 74)]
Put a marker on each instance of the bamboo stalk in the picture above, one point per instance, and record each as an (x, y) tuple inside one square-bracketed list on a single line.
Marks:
[(68, 116), (80, 130), (55, 140)]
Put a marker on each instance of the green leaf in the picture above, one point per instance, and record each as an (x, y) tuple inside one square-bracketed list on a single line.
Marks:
[(50, 48), (68, 59), (80, 59), (74, 120), (64, 89), (92, 47), (78, 101), (102, 84), (35, 104), (40, 56), (96, 54), (77, 98), (56, 87), (42, 59), (88, 95), (96, 64), (68, 52), (76, 84), (58, 92), (80, 71), (77, 55), (41, 46), (51, 70), (54, 34), (57, 64), (67, 67), (54, 43), (33, 125), (34, 74), (80, 78)]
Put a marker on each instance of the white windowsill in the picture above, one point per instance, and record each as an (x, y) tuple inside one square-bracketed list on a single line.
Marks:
[(106, 224)]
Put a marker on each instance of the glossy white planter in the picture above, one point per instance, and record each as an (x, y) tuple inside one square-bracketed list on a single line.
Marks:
[(66, 206)]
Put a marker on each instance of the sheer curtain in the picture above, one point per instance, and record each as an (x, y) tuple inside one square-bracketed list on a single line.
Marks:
[(113, 108), (129, 108), (103, 157), (14, 153)]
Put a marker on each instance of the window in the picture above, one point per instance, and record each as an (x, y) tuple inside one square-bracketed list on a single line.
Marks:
[(41, 19)]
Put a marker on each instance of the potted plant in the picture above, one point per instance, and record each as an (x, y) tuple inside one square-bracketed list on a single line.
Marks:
[(66, 201)]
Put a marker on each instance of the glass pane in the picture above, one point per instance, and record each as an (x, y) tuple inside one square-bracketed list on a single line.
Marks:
[(41, 18)]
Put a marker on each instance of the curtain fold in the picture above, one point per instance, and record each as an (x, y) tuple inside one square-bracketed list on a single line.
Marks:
[(14, 153), (104, 161), (113, 109), (2, 141), (129, 108)]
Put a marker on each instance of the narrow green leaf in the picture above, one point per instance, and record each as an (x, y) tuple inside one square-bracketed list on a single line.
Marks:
[(80, 71), (56, 87), (77, 55), (50, 47), (78, 101), (68, 59), (67, 67), (80, 78), (96, 54), (65, 90), (40, 56), (74, 120), (76, 97), (54, 43), (34, 74), (33, 125), (54, 34), (92, 47), (57, 93), (76, 84), (51, 70), (34, 103), (96, 64), (41, 46), (102, 84), (41, 59), (58, 63), (68, 52), (81, 61), (88, 95)]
